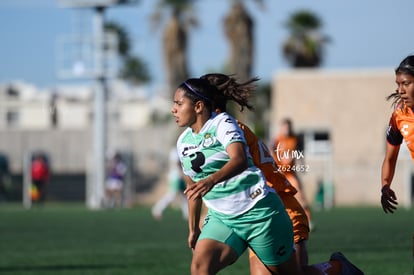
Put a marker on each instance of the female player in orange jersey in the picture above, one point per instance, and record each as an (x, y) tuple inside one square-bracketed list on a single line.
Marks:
[(400, 128), (263, 159)]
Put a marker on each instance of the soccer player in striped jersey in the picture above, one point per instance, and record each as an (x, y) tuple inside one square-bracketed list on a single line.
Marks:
[(264, 160), (243, 211)]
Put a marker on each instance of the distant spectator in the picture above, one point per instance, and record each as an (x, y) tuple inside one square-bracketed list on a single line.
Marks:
[(5, 178), (53, 110), (115, 181), (40, 177), (285, 154)]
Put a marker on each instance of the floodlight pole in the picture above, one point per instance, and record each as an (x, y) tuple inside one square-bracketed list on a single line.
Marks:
[(95, 188), (99, 113)]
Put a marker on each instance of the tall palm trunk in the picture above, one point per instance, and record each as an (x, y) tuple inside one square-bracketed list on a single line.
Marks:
[(175, 51), (238, 26)]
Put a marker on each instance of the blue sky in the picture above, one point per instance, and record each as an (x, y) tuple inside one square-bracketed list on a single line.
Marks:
[(365, 34)]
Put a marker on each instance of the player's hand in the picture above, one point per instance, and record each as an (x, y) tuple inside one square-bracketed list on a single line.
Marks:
[(388, 199), (193, 237), (199, 189)]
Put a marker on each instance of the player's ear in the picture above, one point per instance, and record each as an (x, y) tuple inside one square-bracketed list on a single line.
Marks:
[(199, 106)]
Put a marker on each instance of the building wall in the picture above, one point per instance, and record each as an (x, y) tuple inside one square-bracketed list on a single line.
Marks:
[(70, 150), (22, 106), (60, 123), (351, 106), (73, 115)]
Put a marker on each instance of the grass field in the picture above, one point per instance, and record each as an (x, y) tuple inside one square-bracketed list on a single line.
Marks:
[(69, 239)]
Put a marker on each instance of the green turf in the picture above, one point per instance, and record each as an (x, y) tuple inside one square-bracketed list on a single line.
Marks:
[(69, 239)]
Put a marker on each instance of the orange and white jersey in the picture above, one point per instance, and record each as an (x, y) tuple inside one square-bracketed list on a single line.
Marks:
[(263, 159), (401, 127)]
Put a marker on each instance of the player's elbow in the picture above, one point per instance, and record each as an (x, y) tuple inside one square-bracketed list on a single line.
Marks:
[(241, 163)]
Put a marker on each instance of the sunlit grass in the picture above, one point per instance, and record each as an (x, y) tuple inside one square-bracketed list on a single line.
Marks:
[(69, 239)]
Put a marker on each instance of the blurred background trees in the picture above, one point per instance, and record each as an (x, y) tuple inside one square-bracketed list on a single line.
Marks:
[(239, 29), (304, 46), (180, 20), (133, 69)]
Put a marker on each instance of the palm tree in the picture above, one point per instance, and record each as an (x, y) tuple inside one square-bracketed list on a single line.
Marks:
[(238, 27), (239, 30), (175, 37), (304, 46), (134, 69), (122, 36)]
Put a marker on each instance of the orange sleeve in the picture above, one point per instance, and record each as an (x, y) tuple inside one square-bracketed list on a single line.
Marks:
[(263, 159), (283, 148)]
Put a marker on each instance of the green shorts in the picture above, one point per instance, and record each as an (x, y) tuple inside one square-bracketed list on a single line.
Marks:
[(266, 229), (177, 184)]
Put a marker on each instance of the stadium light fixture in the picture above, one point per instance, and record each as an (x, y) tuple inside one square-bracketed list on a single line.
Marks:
[(95, 194)]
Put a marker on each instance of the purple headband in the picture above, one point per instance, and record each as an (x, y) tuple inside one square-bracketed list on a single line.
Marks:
[(195, 92)]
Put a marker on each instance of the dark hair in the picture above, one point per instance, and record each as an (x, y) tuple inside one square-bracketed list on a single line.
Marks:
[(406, 67), (197, 89), (289, 124), (230, 89)]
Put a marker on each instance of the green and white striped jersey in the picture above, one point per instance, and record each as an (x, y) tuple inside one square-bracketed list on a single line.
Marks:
[(205, 153)]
